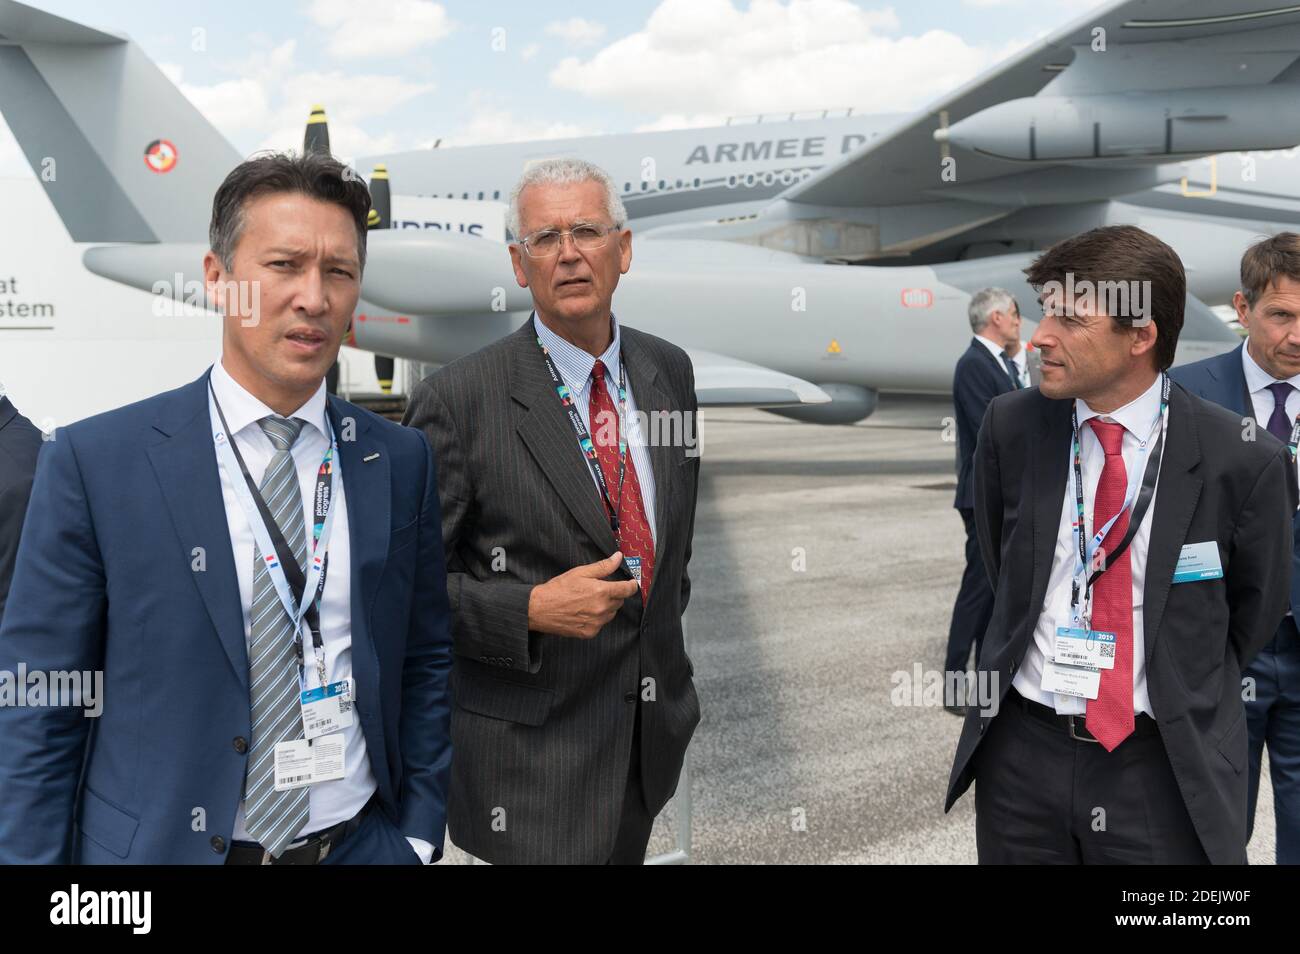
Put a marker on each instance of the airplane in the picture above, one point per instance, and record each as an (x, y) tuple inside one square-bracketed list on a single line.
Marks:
[(805, 264)]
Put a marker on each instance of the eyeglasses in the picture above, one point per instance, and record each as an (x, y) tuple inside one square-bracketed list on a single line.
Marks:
[(586, 238)]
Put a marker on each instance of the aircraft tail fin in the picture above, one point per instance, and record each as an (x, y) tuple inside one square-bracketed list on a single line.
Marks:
[(120, 151)]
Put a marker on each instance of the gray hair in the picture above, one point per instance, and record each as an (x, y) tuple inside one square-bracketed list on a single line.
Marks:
[(315, 175), (566, 171), (986, 301)]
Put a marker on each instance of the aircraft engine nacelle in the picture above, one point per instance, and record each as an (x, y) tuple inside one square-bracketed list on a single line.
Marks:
[(848, 405), (1135, 124)]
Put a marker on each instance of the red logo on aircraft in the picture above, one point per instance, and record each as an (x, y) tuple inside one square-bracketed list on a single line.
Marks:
[(917, 297), (160, 156)]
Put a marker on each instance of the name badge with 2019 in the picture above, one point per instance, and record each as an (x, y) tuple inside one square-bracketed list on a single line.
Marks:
[(300, 762), (327, 709), (1076, 646)]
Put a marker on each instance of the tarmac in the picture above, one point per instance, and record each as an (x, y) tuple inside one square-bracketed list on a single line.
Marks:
[(825, 561)]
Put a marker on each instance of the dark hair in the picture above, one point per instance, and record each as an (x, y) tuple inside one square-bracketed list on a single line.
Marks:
[(1267, 261), (315, 174), (1122, 254)]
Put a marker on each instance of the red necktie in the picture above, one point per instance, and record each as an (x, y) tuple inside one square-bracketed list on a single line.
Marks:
[(1110, 715), (635, 538)]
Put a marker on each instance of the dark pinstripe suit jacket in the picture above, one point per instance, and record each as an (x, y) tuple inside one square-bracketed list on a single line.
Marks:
[(542, 725)]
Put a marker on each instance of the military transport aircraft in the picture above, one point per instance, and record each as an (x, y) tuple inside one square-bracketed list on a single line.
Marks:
[(806, 263)]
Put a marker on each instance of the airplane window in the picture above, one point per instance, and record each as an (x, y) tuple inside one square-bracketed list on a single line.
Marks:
[(480, 195), (697, 182), (464, 195), (496, 194), (662, 184), (627, 187), (644, 186)]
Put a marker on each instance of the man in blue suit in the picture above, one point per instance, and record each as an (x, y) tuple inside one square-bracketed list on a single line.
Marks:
[(255, 570), (986, 370), (1261, 382)]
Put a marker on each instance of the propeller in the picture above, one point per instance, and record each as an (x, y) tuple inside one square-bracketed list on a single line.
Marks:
[(381, 217)]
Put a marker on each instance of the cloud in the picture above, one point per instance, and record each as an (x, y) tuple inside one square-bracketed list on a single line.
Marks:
[(266, 103), (494, 123), (696, 58), (379, 28), (576, 31)]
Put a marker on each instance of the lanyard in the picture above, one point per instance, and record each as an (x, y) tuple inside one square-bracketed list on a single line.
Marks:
[(1087, 547), (278, 556), (584, 439)]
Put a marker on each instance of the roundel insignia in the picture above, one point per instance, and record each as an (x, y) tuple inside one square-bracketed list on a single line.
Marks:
[(160, 156)]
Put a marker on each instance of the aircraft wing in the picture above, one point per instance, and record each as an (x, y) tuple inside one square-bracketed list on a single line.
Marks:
[(721, 381), (1089, 113)]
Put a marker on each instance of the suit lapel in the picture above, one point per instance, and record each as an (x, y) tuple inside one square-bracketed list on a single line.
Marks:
[(186, 466), (367, 490), (1050, 453), (650, 398), (1177, 492), (549, 437)]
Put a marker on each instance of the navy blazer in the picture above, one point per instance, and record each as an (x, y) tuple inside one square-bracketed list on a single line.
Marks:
[(978, 378), (126, 566), (1222, 379)]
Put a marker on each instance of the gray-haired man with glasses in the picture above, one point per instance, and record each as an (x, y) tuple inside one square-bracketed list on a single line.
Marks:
[(568, 509)]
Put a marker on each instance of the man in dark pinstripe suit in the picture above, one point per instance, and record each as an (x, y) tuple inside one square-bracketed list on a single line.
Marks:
[(568, 493)]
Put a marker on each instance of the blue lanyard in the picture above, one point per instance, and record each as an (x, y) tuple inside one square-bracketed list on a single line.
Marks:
[(279, 558), (584, 438), (1137, 498)]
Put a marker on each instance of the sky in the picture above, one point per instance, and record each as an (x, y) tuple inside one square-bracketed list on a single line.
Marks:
[(404, 74)]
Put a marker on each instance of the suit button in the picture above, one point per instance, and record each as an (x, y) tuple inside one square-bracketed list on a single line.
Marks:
[(629, 696), (218, 844), (241, 744)]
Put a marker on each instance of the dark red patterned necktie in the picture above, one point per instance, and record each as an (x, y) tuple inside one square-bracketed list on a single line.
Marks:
[(635, 539), (1110, 716)]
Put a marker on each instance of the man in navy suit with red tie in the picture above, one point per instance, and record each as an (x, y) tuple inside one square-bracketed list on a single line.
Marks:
[(1260, 381)]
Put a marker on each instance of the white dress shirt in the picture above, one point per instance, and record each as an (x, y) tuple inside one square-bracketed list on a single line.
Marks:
[(1138, 417), (329, 802), (1021, 361), (1261, 398), (575, 366)]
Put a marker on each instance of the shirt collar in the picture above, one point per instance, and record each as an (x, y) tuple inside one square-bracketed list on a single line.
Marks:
[(1257, 379), (993, 347), (575, 364), (242, 409), (1137, 415)]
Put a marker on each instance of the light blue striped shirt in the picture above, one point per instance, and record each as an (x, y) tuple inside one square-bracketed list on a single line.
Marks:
[(575, 368)]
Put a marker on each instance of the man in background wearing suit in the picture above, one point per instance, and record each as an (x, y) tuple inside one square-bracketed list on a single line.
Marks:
[(1140, 550), (20, 442), (1260, 382), (574, 703), (257, 570), (986, 370)]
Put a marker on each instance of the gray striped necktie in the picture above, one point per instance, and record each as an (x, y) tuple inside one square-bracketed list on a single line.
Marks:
[(271, 817)]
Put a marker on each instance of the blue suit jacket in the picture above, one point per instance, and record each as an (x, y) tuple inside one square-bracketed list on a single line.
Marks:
[(978, 378), (1222, 379), (126, 566)]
